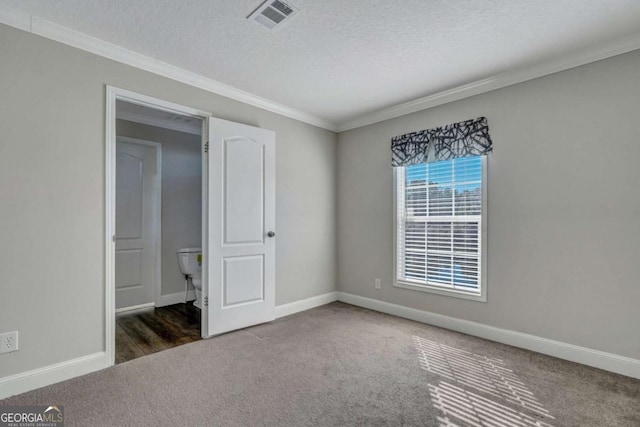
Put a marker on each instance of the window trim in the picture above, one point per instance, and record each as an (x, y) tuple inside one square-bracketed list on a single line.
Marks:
[(405, 284)]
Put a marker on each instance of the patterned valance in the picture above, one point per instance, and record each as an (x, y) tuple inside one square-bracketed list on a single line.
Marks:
[(464, 139)]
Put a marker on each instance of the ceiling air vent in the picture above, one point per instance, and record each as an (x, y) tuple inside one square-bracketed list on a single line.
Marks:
[(273, 13)]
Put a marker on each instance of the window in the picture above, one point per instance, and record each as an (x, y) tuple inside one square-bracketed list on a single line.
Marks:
[(440, 216)]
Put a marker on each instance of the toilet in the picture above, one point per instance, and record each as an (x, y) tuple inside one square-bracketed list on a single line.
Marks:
[(190, 262)]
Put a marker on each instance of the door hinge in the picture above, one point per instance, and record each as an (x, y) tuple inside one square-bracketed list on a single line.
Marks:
[(206, 301), (206, 147)]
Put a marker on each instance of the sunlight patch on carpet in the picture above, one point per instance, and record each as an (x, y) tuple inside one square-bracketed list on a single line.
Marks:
[(504, 400), (459, 405)]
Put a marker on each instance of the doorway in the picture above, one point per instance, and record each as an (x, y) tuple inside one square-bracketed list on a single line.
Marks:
[(158, 231), (236, 258)]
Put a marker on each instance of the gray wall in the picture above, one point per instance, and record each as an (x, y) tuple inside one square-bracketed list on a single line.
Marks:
[(181, 195), (563, 207), (52, 181)]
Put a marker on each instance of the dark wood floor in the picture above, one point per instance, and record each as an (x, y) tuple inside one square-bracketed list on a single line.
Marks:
[(147, 331)]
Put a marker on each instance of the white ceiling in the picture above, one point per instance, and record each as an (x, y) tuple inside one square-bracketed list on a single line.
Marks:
[(341, 59)]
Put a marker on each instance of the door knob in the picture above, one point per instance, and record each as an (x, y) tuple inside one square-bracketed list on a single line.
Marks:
[(271, 234)]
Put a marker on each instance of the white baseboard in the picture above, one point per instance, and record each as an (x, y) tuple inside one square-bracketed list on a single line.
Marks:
[(305, 304), (176, 298), (30, 380), (26, 381), (586, 356), (135, 307)]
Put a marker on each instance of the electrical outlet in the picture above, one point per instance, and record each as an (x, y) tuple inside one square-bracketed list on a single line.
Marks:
[(9, 342), (378, 286)]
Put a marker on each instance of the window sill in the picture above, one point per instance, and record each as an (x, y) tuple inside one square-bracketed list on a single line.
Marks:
[(482, 297)]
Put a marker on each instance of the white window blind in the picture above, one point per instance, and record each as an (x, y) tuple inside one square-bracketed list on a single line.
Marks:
[(439, 224)]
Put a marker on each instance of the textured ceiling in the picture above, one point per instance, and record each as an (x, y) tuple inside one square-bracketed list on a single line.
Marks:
[(339, 59)]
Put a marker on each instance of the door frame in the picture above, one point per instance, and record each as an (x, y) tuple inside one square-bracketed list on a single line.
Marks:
[(114, 94), (157, 219)]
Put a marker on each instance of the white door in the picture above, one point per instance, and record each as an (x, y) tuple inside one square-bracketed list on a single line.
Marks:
[(241, 239), (137, 220)]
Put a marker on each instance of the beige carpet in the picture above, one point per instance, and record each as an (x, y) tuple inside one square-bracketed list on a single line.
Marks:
[(341, 365)]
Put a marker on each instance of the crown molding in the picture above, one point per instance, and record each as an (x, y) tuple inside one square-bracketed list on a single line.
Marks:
[(497, 81), (50, 30), (41, 27)]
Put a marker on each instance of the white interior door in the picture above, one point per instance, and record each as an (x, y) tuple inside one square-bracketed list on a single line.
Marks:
[(241, 238), (137, 198)]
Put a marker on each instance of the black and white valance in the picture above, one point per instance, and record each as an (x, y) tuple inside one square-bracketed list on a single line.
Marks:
[(464, 139)]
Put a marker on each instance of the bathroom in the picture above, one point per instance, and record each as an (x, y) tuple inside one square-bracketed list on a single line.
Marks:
[(158, 237)]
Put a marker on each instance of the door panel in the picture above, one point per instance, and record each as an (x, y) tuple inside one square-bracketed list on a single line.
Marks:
[(137, 195), (243, 280), (241, 257), (244, 190), (129, 194), (129, 269)]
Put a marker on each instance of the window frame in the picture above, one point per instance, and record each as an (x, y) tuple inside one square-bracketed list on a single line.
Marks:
[(398, 283)]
